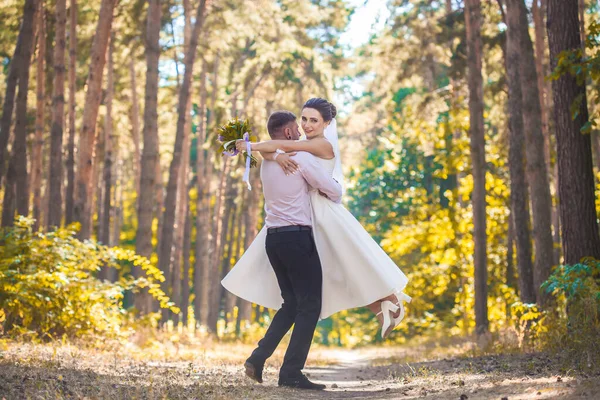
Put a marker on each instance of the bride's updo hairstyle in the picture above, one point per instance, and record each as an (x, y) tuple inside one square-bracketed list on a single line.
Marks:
[(327, 110)]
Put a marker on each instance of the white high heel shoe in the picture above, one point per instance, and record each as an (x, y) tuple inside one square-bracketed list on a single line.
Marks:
[(387, 309), (400, 296)]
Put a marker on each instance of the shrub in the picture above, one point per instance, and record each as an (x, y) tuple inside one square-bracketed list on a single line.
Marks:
[(577, 290), (49, 288)]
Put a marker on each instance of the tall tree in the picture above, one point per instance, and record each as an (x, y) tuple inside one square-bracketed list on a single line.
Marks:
[(183, 195), (16, 194), (579, 226), (135, 125), (166, 239), (477, 142), (537, 174), (538, 11), (202, 208), (518, 184), (104, 222), (83, 177), (150, 158), (58, 112), (70, 193), (36, 156), (20, 59), (250, 232), (185, 278)]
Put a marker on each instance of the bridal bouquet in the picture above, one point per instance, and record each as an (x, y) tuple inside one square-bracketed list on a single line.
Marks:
[(238, 130)]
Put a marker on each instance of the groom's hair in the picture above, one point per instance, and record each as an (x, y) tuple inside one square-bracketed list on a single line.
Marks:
[(278, 120)]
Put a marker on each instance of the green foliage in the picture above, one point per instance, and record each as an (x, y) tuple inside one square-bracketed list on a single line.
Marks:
[(577, 327), (48, 287), (585, 67), (576, 282)]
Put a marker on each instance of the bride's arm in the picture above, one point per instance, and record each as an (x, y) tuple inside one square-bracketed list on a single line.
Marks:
[(318, 147)]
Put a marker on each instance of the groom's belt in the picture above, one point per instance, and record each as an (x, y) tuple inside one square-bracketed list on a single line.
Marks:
[(290, 228)]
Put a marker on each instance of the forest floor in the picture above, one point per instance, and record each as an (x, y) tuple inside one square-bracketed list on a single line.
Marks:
[(212, 370)]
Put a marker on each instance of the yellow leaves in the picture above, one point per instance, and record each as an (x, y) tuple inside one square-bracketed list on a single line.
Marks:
[(48, 284)]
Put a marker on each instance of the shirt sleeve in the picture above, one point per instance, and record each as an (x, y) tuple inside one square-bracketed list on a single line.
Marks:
[(318, 177)]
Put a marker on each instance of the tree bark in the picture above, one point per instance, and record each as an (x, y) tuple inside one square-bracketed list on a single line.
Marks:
[(217, 230), (58, 112), (16, 194), (185, 279), (202, 212), (70, 194), (83, 188), (237, 239), (21, 58), (38, 144), (108, 160), (518, 183), (222, 215), (166, 240), (135, 125), (578, 216), (537, 174), (183, 188), (538, 10), (251, 212), (477, 142), (150, 157)]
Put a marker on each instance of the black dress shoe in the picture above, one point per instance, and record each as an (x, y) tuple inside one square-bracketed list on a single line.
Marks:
[(254, 371), (300, 382)]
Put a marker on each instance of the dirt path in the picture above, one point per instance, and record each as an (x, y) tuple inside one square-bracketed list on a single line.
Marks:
[(214, 372)]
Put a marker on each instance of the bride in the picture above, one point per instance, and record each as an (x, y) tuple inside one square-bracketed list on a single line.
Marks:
[(356, 271)]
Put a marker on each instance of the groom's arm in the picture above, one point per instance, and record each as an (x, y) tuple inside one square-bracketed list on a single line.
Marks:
[(318, 177)]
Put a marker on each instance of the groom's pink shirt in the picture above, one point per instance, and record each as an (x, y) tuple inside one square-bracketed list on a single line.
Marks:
[(287, 199)]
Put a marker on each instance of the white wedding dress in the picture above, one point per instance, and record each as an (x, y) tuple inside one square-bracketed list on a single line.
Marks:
[(356, 271)]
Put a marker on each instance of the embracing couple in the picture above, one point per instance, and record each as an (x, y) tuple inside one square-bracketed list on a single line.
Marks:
[(318, 260)]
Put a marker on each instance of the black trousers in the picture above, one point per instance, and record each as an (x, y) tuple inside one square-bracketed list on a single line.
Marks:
[(296, 263)]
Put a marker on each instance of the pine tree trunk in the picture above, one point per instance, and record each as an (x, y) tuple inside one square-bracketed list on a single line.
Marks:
[(217, 233), (166, 240), (251, 212), (476, 131), (58, 113), (237, 240), (16, 194), (108, 159), (70, 194), (538, 12), (150, 158), (83, 177), (97, 188), (518, 183), (223, 216), (183, 191), (537, 174), (21, 58), (185, 279), (38, 144), (202, 211), (182, 212), (230, 243), (135, 125), (578, 216)]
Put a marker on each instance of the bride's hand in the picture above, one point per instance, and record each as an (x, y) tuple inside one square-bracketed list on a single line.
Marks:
[(288, 165), (240, 145)]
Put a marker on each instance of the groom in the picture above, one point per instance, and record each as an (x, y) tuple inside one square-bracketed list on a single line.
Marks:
[(293, 255)]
